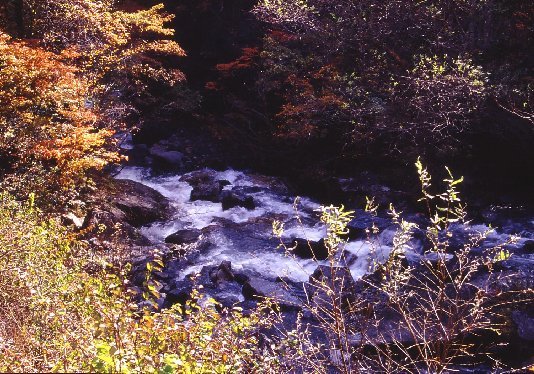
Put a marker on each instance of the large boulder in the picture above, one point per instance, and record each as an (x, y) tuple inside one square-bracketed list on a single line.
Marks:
[(257, 288), (139, 204), (165, 159), (101, 226), (324, 277), (186, 236), (310, 249), (233, 198), (205, 185)]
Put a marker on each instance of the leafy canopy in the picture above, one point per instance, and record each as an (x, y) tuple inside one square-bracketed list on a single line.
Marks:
[(46, 122)]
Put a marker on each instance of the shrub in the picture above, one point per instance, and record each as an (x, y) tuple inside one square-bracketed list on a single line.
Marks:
[(63, 309), (351, 74), (44, 318), (196, 337), (405, 316), (128, 57), (66, 309), (440, 98)]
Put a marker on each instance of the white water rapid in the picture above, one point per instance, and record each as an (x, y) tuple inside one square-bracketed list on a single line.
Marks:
[(249, 244)]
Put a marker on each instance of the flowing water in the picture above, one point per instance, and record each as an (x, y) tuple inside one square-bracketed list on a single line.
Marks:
[(244, 237)]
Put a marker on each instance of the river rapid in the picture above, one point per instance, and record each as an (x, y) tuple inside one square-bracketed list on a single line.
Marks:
[(244, 236), (226, 216)]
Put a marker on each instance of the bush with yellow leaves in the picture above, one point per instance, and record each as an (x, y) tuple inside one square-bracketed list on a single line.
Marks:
[(63, 309)]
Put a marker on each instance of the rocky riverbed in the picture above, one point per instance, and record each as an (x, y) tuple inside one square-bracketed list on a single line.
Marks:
[(213, 225)]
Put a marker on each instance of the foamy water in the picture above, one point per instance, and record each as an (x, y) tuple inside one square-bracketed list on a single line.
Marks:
[(251, 247), (266, 259)]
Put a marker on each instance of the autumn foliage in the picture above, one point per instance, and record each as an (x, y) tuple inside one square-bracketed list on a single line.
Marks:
[(395, 76), (104, 37), (78, 72), (122, 54), (46, 120)]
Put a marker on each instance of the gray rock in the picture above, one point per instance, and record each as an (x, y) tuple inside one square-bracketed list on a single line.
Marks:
[(362, 221), (186, 236), (164, 158), (199, 177), (241, 278), (231, 199), (205, 186), (179, 295), (138, 154), (107, 223), (370, 185), (222, 273), (140, 204), (272, 184), (257, 288), (514, 274), (519, 264), (207, 192), (228, 299), (309, 249), (528, 247), (435, 257), (339, 276)]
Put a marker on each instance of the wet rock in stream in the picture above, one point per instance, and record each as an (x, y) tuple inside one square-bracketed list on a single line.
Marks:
[(525, 324), (304, 248), (325, 278), (217, 282), (186, 236), (205, 185), (165, 159), (528, 247), (233, 198), (207, 191), (364, 221), (139, 204), (222, 273), (256, 288)]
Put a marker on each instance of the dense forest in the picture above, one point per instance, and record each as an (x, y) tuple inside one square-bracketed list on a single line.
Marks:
[(167, 170)]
